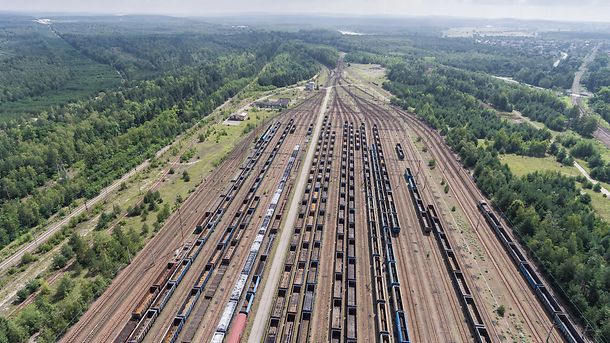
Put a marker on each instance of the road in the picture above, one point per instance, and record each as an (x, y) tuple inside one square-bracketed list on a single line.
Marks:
[(602, 134), (577, 85), (259, 326), (585, 174)]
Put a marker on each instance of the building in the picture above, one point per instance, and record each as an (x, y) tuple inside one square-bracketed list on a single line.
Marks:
[(310, 86), (277, 104), (239, 116)]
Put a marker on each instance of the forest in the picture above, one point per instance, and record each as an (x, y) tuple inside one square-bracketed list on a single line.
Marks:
[(39, 70), (72, 151), (296, 61), (547, 210)]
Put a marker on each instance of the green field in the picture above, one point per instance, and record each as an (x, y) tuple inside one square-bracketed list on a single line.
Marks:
[(522, 165)]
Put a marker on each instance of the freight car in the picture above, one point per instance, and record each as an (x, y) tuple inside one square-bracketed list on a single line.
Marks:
[(551, 305), (399, 152)]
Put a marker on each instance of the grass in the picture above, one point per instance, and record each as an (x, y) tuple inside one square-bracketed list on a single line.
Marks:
[(522, 165), (369, 72), (600, 204), (566, 100)]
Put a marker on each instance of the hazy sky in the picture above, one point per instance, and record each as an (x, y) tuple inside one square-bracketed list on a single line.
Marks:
[(597, 10)]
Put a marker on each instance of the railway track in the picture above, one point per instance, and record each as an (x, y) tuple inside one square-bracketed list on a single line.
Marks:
[(467, 195), (449, 327), (116, 303), (227, 272), (422, 287), (142, 268), (204, 230), (355, 268), (537, 330), (295, 294), (203, 325), (343, 323)]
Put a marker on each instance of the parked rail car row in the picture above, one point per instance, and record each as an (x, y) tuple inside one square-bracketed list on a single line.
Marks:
[(379, 287), (163, 288), (389, 217), (240, 284), (238, 326), (296, 289), (460, 284), (342, 321), (386, 212), (211, 275), (207, 225), (551, 305), (418, 202)]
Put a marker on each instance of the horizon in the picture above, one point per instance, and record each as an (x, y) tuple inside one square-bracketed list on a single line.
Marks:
[(246, 15), (591, 11)]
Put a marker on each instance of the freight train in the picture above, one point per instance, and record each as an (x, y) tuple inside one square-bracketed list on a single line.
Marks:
[(430, 222), (240, 284), (389, 227), (551, 305), (154, 300)]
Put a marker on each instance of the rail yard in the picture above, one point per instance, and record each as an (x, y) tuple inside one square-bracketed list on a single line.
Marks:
[(374, 251)]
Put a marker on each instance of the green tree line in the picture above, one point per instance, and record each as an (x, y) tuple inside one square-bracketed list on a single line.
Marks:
[(548, 211)]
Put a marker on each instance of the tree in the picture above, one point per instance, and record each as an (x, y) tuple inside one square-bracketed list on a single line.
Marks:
[(59, 261), (586, 126), (64, 287), (80, 248), (185, 176)]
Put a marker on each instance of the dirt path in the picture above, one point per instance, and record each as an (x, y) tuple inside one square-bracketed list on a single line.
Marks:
[(585, 174)]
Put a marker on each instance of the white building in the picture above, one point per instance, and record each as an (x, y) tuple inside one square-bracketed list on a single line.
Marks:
[(239, 116)]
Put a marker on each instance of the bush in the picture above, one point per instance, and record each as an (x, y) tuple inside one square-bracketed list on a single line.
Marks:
[(27, 258), (501, 310), (22, 294), (59, 261)]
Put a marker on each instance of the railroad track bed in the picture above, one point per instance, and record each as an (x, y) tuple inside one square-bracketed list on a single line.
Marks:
[(467, 196), (343, 324), (165, 283), (207, 225), (430, 221), (220, 255), (536, 322), (295, 295), (354, 268)]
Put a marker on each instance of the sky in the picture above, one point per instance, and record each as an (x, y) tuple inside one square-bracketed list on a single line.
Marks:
[(572, 10)]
